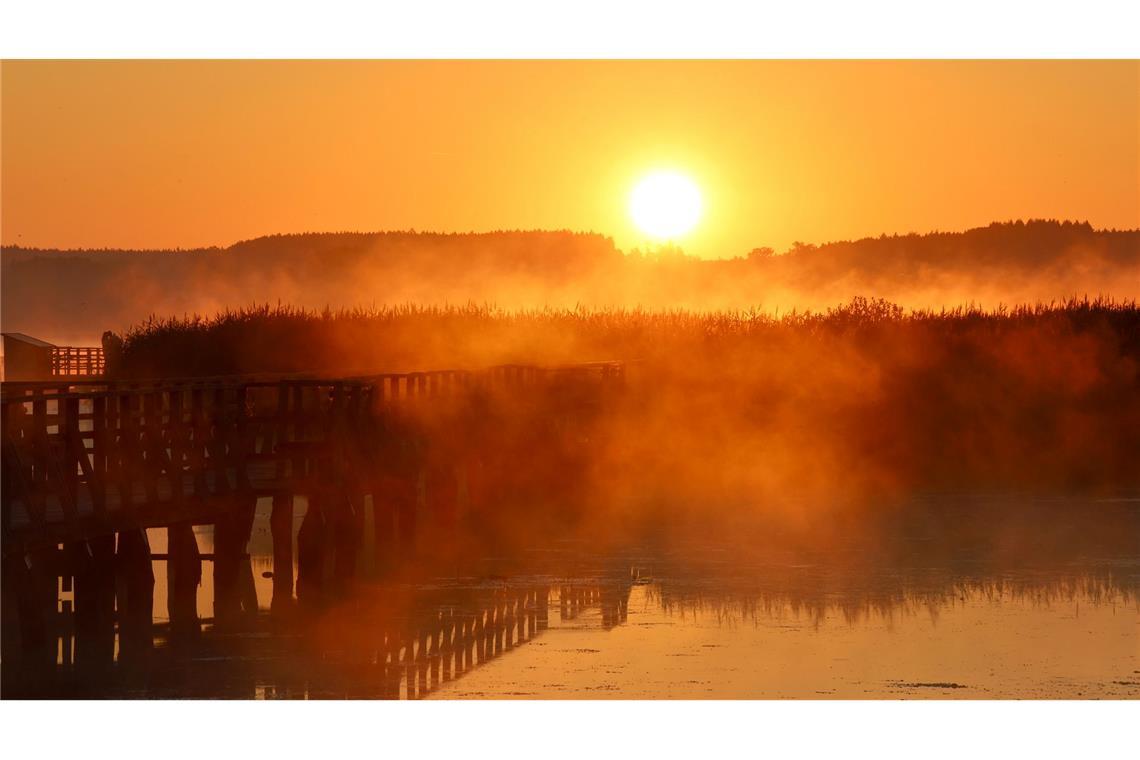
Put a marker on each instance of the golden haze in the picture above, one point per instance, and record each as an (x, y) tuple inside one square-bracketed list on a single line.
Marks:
[(157, 154)]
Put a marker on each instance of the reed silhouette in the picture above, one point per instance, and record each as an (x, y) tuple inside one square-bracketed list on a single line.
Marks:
[(733, 413), (71, 296)]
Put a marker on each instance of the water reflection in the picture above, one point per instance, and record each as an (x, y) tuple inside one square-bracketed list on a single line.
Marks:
[(859, 593), (656, 619), (386, 642), (1059, 632), (667, 626)]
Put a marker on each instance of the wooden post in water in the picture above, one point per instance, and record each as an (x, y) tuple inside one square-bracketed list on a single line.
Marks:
[(383, 526), (281, 526), (233, 573), (94, 601), (31, 601), (11, 582), (407, 495), (543, 613), (183, 574), (348, 526), (311, 555), (135, 591), (447, 649)]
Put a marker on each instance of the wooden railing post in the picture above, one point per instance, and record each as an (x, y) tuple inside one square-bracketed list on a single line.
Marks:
[(40, 456), (99, 443), (155, 447), (128, 449), (8, 472), (72, 449), (176, 437), (198, 450)]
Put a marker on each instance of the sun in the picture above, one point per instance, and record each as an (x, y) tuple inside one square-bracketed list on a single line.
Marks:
[(665, 205)]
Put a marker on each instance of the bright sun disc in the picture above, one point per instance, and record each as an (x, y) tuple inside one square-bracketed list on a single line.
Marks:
[(665, 205)]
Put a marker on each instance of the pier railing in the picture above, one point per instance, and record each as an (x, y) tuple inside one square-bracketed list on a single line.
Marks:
[(83, 457), (82, 361)]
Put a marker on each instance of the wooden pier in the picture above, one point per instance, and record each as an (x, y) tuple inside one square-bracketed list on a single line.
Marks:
[(89, 466)]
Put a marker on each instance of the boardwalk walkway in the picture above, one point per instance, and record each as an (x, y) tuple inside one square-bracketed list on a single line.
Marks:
[(88, 466)]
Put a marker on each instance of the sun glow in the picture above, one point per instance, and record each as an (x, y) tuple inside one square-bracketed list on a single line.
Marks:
[(665, 205)]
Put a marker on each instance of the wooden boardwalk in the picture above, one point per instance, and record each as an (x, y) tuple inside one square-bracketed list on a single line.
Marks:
[(88, 466), (86, 458)]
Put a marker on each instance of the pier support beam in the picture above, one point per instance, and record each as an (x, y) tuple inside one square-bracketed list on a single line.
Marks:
[(384, 512), (135, 591), (311, 555), (183, 575), (30, 612), (406, 498), (11, 581), (542, 598), (348, 526), (233, 573), (281, 526), (441, 491), (94, 562)]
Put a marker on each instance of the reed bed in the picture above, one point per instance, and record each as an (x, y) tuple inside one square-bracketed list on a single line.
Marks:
[(729, 410), (282, 338)]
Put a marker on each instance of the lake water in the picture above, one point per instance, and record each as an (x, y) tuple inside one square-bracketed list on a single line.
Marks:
[(686, 620)]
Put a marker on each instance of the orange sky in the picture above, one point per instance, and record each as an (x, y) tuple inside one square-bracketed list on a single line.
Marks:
[(166, 154)]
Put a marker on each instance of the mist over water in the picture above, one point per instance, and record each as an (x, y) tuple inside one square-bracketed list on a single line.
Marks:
[(73, 296), (861, 497)]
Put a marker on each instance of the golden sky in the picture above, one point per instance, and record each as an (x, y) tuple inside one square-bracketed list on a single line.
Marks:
[(192, 153)]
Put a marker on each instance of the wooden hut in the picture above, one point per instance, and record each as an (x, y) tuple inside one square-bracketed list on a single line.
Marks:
[(26, 358)]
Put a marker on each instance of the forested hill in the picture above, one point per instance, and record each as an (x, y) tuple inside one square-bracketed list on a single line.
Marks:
[(72, 296)]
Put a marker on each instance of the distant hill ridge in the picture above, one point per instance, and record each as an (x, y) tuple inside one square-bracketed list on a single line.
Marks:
[(66, 293), (306, 242), (1046, 230)]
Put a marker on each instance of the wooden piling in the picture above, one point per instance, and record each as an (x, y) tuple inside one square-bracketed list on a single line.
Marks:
[(281, 526), (94, 568), (348, 526), (135, 594), (183, 575), (11, 582), (543, 612), (31, 603), (233, 573), (406, 497), (311, 556), (383, 527)]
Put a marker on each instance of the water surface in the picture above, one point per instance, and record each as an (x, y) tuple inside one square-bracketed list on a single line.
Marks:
[(915, 618)]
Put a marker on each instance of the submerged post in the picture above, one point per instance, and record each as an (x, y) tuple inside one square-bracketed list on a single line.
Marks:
[(384, 514), (183, 574), (233, 573), (94, 601), (311, 555), (135, 594), (543, 611), (31, 603), (281, 526), (348, 527)]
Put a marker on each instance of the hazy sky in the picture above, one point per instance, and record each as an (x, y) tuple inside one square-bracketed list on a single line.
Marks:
[(184, 154)]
